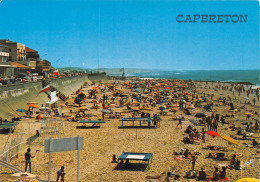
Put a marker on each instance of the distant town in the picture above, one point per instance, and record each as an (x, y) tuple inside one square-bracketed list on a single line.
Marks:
[(19, 63)]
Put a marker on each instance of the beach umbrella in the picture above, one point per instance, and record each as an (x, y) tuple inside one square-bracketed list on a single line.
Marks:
[(105, 107), (200, 115), (83, 108), (229, 139), (21, 110), (248, 180), (105, 111), (248, 113), (44, 108), (212, 133), (32, 103), (174, 109), (33, 106), (162, 108)]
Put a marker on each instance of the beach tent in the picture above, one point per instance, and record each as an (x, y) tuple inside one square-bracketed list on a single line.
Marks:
[(248, 180), (229, 139)]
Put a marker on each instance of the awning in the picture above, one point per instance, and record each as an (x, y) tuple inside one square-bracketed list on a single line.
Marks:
[(18, 65)]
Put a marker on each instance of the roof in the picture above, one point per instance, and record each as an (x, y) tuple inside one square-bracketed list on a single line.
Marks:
[(18, 65), (30, 50)]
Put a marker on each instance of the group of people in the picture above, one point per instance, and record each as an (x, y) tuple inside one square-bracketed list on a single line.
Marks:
[(28, 162), (217, 175), (190, 134)]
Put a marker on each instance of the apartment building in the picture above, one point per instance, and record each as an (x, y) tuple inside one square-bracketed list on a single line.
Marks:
[(5, 67), (16, 50)]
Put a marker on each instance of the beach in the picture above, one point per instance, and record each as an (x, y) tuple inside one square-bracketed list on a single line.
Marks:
[(164, 140)]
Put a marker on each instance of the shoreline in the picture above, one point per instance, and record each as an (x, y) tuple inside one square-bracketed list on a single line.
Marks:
[(214, 81)]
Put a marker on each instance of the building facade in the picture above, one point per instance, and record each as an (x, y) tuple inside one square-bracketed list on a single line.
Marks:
[(32, 57), (5, 67), (16, 50)]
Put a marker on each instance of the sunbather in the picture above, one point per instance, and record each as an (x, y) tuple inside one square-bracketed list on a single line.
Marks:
[(202, 175)]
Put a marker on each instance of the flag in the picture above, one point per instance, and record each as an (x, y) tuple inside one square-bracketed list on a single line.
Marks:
[(45, 89), (54, 97), (56, 72)]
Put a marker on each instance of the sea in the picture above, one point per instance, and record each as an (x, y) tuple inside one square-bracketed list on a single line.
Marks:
[(252, 76)]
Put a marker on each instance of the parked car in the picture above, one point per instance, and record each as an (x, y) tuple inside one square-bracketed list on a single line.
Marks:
[(21, 75), (39, 77), (19, 80), (3, 81)]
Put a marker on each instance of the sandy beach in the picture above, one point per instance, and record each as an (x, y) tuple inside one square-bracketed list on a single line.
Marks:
[(101, 143)]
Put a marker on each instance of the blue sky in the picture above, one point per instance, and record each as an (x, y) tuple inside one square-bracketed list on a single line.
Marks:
[(134, 34)]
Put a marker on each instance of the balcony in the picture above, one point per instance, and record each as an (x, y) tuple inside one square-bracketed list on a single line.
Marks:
[(4, 54)]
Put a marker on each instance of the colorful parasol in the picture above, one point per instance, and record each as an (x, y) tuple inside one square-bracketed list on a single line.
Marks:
[(212, 133), (33, 106), (248, 180), (229, 139)]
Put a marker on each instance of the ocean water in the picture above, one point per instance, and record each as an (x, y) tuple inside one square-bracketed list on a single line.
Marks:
[(252, 76)]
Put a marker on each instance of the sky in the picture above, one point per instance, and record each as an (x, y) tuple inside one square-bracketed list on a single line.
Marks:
[(134, 34)]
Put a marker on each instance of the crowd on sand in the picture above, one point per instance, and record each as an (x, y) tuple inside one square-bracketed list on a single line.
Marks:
[(200, 110), (182, 97)]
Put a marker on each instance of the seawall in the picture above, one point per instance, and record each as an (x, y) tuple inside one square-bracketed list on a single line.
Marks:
[(13, 97)]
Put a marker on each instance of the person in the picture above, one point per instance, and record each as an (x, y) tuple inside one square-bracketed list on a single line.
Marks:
[(256, 126), (186, 153), (215, 175), (255, 143), (180, 118), (244, 136), (28, 157), (37, 133), (222, 174), (203, 135), (233, 161), (202, 175), (60, 173), (193, 161)]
